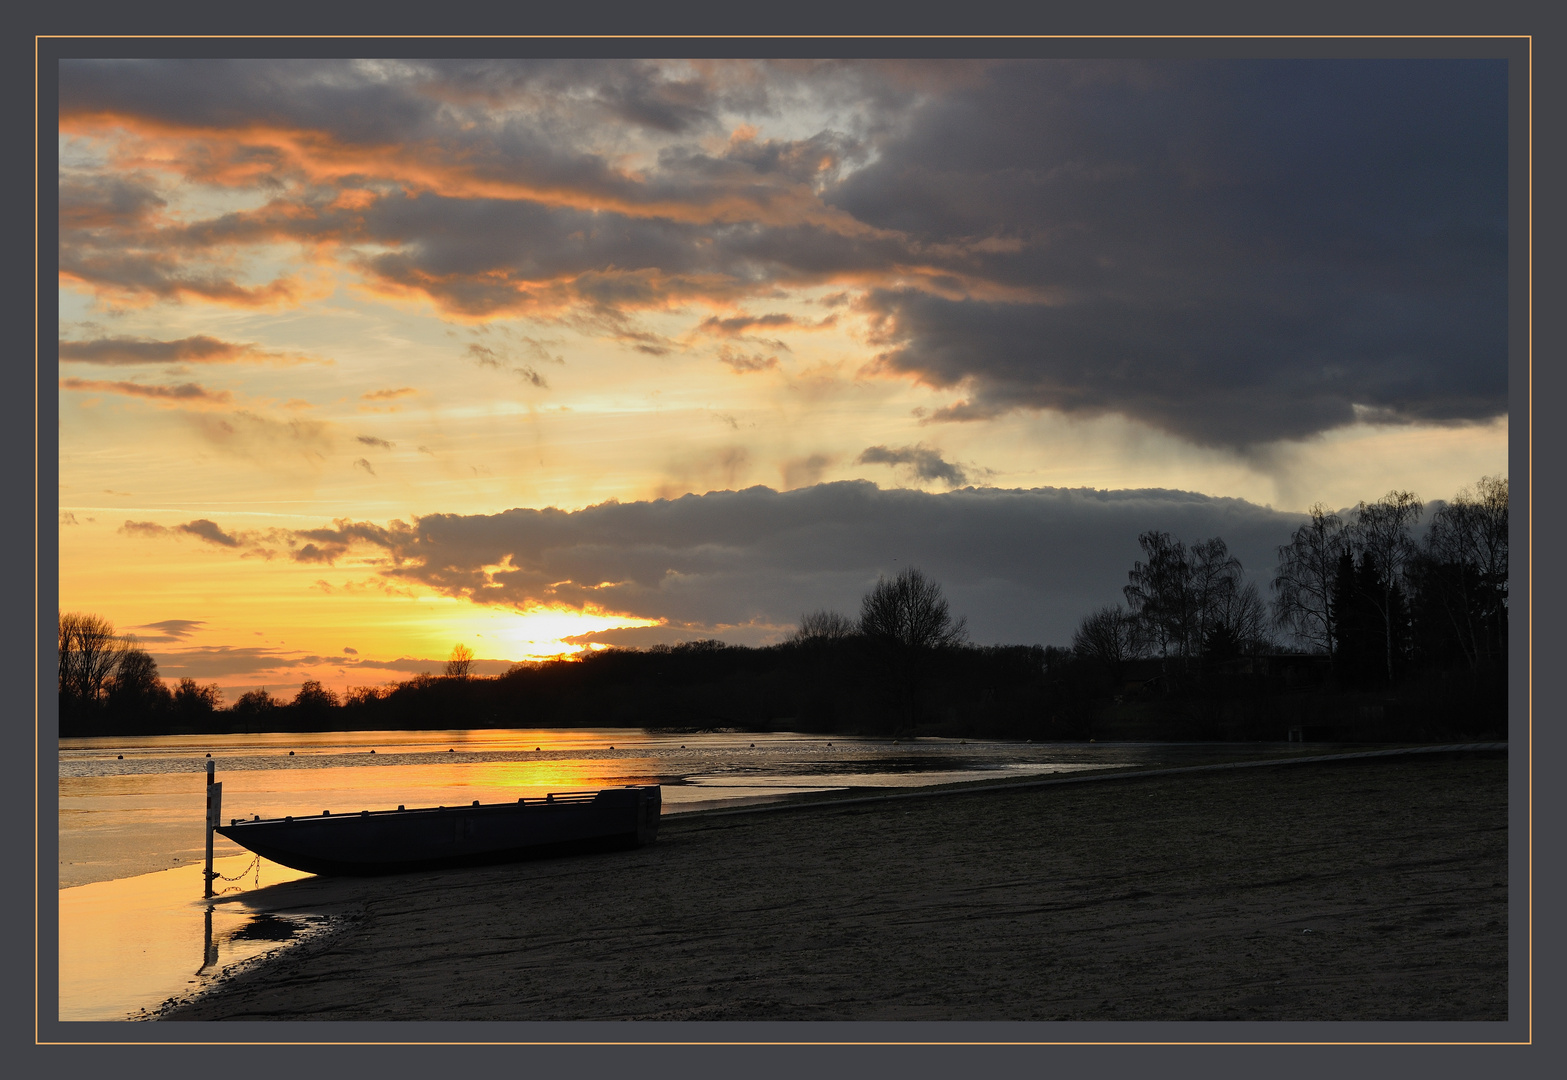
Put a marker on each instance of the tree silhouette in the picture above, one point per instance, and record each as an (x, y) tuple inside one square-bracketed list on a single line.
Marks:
[(314, 696), (135, 693), (90, 657), (904, 619), (824, 626), (1193, 603), (460, 663), (1303, 582), (1381, 532), (194, 703), (910, 612), (1230, 615), (255, 705), (1461, 574), (1109, 636), (1159, 594), (90, 653)]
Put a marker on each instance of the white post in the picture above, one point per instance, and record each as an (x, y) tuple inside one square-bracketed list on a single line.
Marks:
[(211, 766)]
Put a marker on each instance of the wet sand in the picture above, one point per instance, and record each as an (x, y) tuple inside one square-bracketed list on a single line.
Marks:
[(1364, 890)]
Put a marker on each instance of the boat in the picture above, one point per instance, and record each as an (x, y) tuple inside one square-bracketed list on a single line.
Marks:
[(425, 838)]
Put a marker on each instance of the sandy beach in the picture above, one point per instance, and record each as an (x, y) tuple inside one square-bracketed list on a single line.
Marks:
[(1365, 890)]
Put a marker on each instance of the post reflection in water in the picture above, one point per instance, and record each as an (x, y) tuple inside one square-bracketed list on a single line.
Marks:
[(209, 954), (126, 945)]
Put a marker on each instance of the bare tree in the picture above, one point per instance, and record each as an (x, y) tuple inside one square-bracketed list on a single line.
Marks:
[(1382, 533), (824, 626), (90, 653), (910, 610), (1216, 585), (1473, 529), (1303, 582), (905, 618), (1109, 636), (1241, 617), (360, 696), (461, 662), (1160, 596), (1465, 559)]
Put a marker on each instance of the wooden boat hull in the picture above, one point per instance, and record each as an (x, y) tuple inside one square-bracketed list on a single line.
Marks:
[(394, 841)]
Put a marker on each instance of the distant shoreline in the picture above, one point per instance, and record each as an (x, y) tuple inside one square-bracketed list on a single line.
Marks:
[(1372, 887)]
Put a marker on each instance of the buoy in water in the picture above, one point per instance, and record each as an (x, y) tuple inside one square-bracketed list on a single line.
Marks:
[(291, 753), (120, 757)]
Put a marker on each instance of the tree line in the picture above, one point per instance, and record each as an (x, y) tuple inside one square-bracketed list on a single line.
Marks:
[(1364, 615), (1361, 591), (1394, 618), (884, 671), (1366, 593)]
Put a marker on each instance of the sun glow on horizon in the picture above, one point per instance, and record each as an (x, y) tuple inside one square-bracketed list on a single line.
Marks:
[(542, 633)]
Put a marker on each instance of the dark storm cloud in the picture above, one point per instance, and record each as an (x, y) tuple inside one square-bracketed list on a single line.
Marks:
[(482, 256), (1024, 566), (569, 225), (1233, 252), (381, 101)]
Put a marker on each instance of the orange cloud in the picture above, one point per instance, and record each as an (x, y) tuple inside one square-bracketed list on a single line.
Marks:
[(244, 156), (200, 349), (185, 394)]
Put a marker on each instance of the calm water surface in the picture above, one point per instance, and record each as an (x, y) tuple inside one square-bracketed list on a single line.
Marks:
[(134, 930)]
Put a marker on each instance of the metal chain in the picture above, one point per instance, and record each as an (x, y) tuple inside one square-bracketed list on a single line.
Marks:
[(255, 864)]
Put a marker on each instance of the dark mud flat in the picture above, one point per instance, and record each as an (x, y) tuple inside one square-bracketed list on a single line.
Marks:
[(1362, 890)]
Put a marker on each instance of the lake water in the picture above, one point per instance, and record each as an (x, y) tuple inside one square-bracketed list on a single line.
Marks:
[(134, 929)]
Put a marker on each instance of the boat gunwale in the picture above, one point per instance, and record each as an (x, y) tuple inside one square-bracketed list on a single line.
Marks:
[(560, 799)]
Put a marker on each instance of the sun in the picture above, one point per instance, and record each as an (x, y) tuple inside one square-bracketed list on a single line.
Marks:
[(540, 632)]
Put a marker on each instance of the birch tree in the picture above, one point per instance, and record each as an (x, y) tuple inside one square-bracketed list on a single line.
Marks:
[(1303, 582)]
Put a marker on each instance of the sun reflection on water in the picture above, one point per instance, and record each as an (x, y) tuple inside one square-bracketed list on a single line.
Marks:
[(127, 945)]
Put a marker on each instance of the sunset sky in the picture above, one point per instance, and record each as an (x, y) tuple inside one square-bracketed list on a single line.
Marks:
[(361, 359)]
